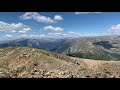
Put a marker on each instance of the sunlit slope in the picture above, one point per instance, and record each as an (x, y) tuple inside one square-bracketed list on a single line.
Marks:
[(30, 62)]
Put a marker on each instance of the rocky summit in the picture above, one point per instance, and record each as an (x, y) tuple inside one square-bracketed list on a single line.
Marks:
[(26, 62)]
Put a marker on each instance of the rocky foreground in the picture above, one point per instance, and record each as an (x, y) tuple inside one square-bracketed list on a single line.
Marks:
[(28, 62)]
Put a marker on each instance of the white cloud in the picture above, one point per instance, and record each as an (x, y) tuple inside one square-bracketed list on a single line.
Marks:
[(13, 27), (28, 15), (56, 29), (8, 35), (40, 18), (24, 35), (43, 35), (73, 33), (86, 12), (13, 31), (36, 16), (22, 31), (37, 36), (58, 18), (114, 29), (25, 30), (34, 35), (58, 34), (64, 35)]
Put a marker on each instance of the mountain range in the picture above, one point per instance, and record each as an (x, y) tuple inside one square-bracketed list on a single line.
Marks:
[(98, 48)]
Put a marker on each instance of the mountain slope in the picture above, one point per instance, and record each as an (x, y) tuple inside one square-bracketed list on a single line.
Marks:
[(30, 62), (46, 44), (104, 48)]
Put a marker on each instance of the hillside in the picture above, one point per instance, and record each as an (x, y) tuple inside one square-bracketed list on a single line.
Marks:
[(25, 62), (98, 48)]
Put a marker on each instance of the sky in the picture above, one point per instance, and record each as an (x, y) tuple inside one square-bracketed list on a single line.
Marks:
[(15, 25)]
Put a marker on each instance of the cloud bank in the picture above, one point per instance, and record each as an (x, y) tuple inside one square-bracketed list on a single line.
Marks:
[(13, 27), (114, 29), (56, 29)]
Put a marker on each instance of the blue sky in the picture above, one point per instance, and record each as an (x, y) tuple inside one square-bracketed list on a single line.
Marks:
[(58, 24)]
